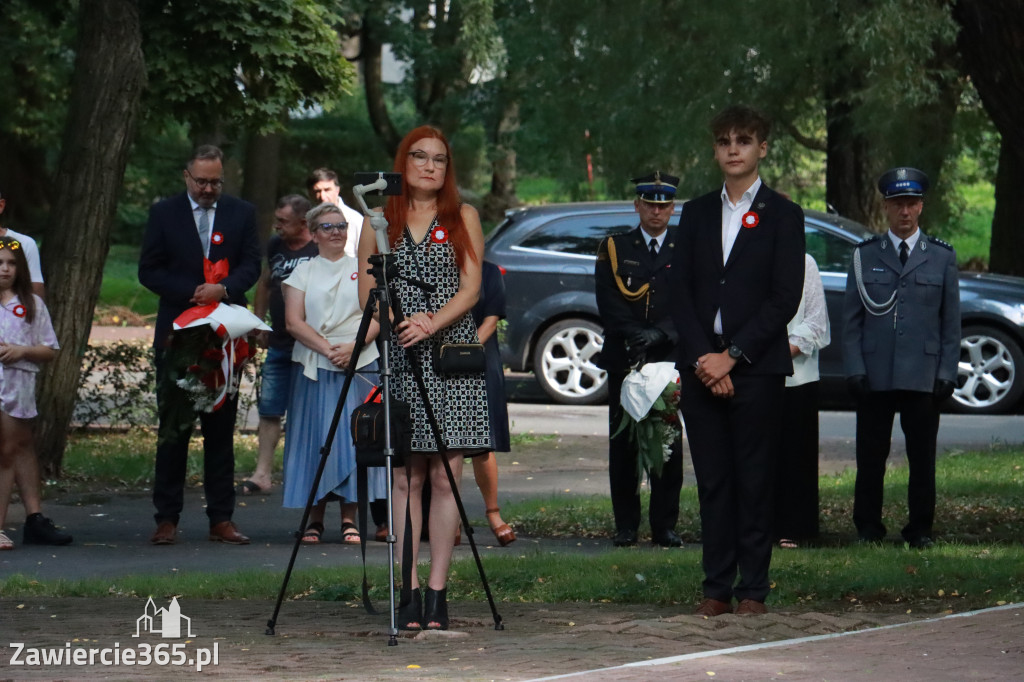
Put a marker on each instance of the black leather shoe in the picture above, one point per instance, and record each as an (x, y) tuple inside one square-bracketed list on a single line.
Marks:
[(667, 538), (435, 609), (920, 542), (624, 538)]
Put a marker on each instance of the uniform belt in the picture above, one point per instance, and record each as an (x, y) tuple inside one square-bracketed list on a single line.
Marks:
[(721, 342)]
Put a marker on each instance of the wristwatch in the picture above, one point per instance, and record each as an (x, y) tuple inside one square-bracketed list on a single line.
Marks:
[(734, 352)]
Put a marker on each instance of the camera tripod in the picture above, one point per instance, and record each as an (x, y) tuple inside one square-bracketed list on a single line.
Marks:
[(382, 299)]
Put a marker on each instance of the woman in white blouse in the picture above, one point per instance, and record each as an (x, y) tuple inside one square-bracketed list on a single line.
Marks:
[(796, 487), (321, 308)]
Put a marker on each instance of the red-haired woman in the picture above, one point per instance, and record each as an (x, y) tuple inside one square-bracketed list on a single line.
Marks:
[(436, 239)]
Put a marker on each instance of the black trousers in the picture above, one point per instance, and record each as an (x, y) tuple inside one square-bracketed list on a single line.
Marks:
[(796, 480), (919, 419), (733, 444), (176, 425), (622, 475)]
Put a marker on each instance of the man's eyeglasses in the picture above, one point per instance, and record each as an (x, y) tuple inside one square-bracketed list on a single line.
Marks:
[(204, 183), (332, 227), (12, 244), (420, 158)]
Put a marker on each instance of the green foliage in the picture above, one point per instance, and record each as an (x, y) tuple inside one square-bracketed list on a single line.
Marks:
[(242, 64), (35, 67), (116, 386)]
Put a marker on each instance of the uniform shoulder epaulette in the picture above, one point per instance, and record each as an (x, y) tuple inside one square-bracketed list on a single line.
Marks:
[(939, 242), (869, 240)]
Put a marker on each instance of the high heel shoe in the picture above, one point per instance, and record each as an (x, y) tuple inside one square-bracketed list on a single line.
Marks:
[(504, 534), (410, 613), (435, 609)]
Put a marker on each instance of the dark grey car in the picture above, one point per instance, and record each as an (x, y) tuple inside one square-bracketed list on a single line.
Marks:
[(554, 330)]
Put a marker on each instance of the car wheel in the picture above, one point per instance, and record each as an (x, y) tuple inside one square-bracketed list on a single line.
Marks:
[(563, 363), (989, 376)]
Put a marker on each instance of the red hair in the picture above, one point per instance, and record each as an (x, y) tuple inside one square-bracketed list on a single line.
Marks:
[(449, 203)]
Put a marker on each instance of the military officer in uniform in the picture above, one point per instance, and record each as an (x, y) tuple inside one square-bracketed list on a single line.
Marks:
[(631, 277), (901, 345)]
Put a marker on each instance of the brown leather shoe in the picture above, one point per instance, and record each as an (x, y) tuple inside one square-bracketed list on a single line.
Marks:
[(749, 607), (226, 531), (713, 607), (165, 533)]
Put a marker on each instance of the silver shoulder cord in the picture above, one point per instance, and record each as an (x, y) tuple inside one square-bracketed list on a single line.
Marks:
[(873, 307)]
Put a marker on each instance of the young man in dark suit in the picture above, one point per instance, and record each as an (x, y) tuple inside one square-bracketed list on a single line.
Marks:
[(183, 231), (738, 269), (633, 297)]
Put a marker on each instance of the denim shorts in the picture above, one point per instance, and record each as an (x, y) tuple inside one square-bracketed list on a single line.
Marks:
[(276, 386)]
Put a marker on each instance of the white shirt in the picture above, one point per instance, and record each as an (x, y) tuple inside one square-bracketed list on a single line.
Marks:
[(660, 239), (355, 226), (911, 241), (332, 309), (809, 330), (732, 214)]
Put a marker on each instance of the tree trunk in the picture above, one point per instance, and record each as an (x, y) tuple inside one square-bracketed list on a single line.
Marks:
[(503, 165), (1006, 251), (850, 169), (991, 43), (262, 167), (376, 106), (108, 80)]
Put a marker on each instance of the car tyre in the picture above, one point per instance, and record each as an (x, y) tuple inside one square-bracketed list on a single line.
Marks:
[(990, 375), (563, 362)]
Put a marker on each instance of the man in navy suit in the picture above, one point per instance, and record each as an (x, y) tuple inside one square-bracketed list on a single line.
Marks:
[(738, 269), (183, 231)]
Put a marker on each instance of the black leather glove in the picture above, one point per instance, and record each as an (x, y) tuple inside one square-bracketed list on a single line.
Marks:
[(646, 337), (943, 389), (634, 353), (858, 386)]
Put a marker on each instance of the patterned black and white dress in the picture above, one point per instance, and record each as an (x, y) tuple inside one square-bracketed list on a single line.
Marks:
[(459, 402)]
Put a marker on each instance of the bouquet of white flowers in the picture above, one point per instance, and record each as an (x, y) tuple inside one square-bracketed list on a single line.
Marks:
[(650, 415)]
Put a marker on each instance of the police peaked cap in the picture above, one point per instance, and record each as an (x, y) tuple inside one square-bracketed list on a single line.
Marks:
[(903, 182), (657, 188)]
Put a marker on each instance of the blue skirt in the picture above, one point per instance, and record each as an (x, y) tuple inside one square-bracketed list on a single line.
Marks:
[(310, 411)]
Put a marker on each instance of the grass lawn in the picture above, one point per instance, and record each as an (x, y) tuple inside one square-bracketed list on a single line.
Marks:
[(975, 563)]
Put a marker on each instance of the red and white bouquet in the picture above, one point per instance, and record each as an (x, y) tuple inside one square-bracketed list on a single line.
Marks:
[(209, 347)]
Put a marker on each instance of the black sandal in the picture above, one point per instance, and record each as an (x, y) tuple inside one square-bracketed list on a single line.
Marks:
[(435, 609), (410, 613), (313, 532)]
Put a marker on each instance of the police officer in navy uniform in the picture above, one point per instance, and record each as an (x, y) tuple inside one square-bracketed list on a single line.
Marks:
[(631, 278), (901, 345)]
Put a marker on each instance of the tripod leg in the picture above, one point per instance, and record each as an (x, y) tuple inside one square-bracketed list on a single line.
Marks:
[(325, 451)]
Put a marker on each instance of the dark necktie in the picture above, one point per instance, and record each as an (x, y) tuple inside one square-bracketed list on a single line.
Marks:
[(654, 248), (904, 253)]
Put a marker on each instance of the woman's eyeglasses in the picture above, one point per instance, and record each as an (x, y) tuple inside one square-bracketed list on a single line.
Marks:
[(332, 227), (420, 158)]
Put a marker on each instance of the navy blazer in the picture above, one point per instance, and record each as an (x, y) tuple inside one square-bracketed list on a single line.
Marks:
[(171, 260), (758, 290)]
